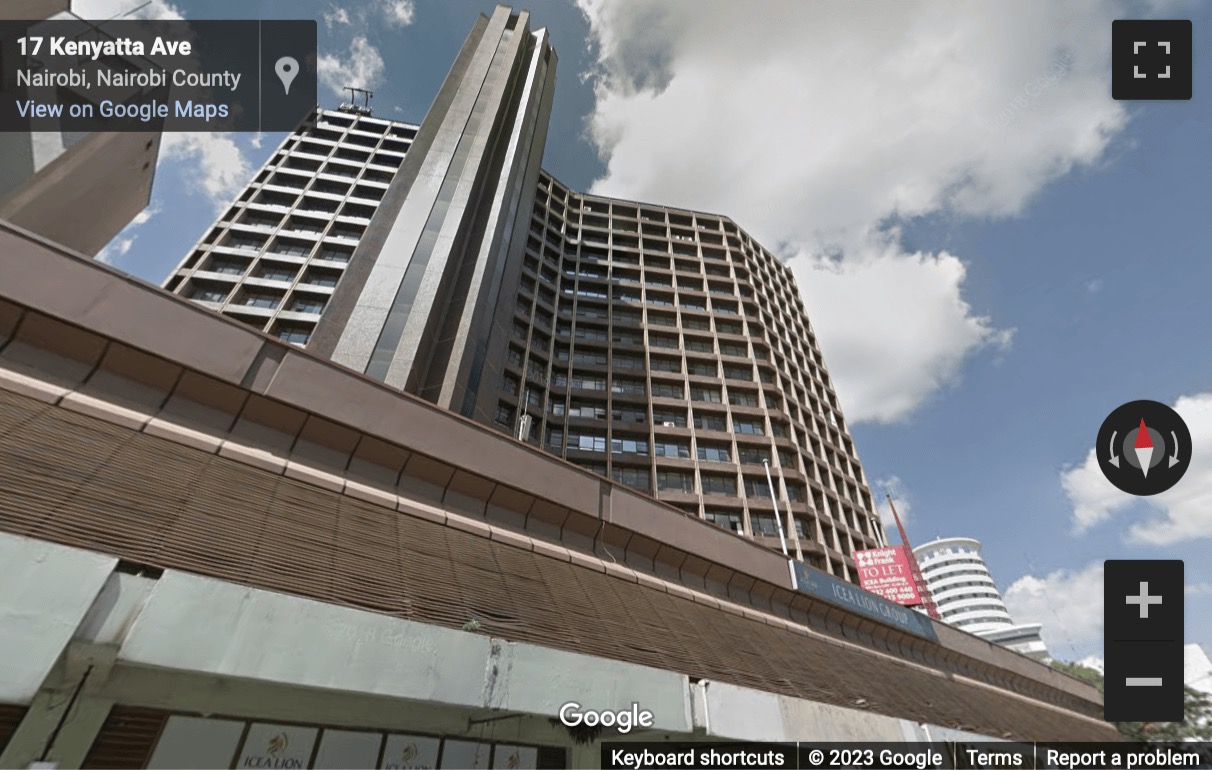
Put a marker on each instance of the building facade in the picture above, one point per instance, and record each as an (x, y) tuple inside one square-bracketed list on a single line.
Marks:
[(661, 347), (968, 598), (75, 188), (219, 549)]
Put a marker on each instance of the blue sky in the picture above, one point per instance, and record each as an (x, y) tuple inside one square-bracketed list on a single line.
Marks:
[(994, 253)]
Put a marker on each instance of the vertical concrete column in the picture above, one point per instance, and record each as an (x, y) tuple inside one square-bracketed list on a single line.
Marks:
[(63, 720)]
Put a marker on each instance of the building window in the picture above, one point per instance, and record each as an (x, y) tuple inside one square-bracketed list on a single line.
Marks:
[(742, 398), (757, 488), (504, 414), (630, 446), (625, 385), (509, 384), (590, 357), (307, 305), (669, 419), (586, 411), (665, 364), (274, 273), (724, 520), (621, 415), (710, 395), (207, 294), (586, 442), (586, 382), (763, 523), (294, 334), (748, 427), (671, 449), (752, 455), (227, 266), (728, 327), (245, 242), (733, 349), (260, 299), (719, 485), (292, 248), (666, 390), (738, 373), (708, 421), (636, 478), (703, 368), (717, 453), (328, 280), (335, 255), (678, 481)]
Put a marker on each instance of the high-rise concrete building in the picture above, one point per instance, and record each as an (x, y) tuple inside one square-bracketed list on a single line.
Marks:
[(219, 549), (967, 596), (76, 188), (662, 347)]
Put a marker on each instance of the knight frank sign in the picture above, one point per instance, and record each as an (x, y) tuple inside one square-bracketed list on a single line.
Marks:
[(885, 572)]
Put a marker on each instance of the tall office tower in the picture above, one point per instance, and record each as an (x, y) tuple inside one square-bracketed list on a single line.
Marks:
[(667, 349), (967, 597), (276, 255), (417, 307), (661, 347)]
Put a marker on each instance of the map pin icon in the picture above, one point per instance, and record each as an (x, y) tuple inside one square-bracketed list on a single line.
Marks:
[(287, 68)]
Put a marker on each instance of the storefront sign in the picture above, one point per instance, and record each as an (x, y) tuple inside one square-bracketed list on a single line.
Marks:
[(410, 752), (277, 747), (514, 757), (817, 583)]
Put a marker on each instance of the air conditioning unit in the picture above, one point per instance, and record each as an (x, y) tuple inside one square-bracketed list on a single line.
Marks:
[(669, 423)]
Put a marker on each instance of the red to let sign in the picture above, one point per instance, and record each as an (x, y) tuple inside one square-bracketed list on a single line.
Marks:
[(885, 572)]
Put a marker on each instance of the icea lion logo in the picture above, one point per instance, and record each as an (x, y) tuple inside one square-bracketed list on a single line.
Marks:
[(272, 759)]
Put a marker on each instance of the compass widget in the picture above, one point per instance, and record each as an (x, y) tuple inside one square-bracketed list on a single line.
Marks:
[(1144, 448)]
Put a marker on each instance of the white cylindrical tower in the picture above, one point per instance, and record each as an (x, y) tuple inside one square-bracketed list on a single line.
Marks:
[(961, 584), (967, 597)]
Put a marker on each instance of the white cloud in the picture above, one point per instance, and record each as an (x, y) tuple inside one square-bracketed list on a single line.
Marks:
[(1068, 603), (819, 127), (214, 164), (891, 485), (399, 13), (121, 243), (361, 67), (114, 249), (1184, 512), (103, 10), (893, 327), (1095, 662), (336, 16), (145, 216)]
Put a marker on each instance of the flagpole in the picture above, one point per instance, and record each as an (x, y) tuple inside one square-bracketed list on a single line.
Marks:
[(777, 518)]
